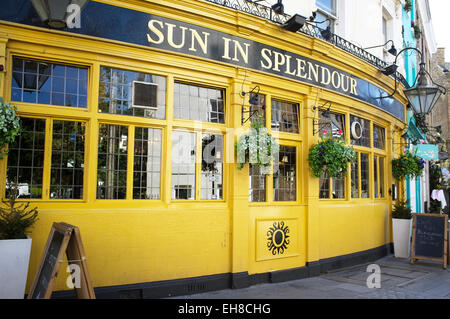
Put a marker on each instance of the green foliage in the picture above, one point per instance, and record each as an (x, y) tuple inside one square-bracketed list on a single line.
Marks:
[(16, 217), (9, 125), (408, 164), (435, 207), (408, 5), (401, 210), (330, 156), (256, 147)]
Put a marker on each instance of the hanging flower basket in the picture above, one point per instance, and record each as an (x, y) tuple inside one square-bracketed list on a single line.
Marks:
[(408, 164), (9, 125), (408, 5), (257, 147), (330, 157)]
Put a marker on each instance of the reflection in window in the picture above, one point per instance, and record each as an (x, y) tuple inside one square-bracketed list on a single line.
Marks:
[(49, 83), (375, 176), (257, 183), (183, 165), (334, 124), (364, 140), (115, 93), (198, 103), (26, 158), (324, 186), (212, 167), (112, 162), (260, 109), (355, 177), (378, 137), (382, 194), (67, 166), (284, 178), (364, 175), (338, 187), (147, 163), (284, 117)]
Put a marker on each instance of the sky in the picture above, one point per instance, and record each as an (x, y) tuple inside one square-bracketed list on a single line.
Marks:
[(441, 24)]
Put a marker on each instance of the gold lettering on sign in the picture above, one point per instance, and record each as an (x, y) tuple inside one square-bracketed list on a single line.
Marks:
[(158, 33), (203, 42), (266, 54), (170, 28)]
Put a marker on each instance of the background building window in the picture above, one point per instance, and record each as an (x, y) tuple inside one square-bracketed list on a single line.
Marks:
[(67, 168), (326, 10), (49, 83), (285, 117), (360, 134), (198, 103), (26, 159), (379, 137), (212, 166), (115, 93), (284, 177), (183, 165), (147, 163), (112, 162)]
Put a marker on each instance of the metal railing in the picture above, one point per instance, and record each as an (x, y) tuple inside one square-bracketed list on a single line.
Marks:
[(309, 29)]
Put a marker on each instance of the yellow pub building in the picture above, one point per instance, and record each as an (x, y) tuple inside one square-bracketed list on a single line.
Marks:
[(120, 114)]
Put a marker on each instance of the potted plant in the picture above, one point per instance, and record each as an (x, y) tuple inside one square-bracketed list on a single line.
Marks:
[(330, 156), (401, 225), (9, 125), (407, 164), (416, 30), (15, 220), (257, 147)]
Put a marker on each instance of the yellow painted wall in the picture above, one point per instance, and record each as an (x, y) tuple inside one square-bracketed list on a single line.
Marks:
[(130, 241)]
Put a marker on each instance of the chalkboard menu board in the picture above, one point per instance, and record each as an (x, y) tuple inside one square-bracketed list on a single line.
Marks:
[(64, 239), (430, 238)]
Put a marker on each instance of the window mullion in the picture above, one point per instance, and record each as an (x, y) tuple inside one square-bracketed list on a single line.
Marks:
[(47, 159), (130, 162), (198, 164)]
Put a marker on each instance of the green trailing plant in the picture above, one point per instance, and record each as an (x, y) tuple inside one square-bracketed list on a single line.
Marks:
[(9, 125), (401, 210), (330, 157), (16, 217), (408, 5), (416, 29), (435, 207), (257, 147), (407, 164)]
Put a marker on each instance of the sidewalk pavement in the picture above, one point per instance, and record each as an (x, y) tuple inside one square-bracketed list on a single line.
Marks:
[(399, 280)]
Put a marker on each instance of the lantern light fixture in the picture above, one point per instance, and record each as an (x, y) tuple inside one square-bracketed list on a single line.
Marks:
[(54, 12), (278, 7), (392, 50)]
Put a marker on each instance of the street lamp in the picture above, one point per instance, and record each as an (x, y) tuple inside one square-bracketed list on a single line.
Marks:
[(392, 50), (421, 96), (54, 12)]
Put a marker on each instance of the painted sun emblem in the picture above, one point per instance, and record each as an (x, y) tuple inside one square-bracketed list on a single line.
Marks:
[(277, 238)]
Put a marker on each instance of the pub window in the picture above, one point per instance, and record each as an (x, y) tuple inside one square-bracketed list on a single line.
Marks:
[(285, 117), (132, 93), (183, 165), (378, 163), (49, 83), (284, 176), (257, 183), (355, 177), (112, 162), (25, 164), (198, 103), (379, 139), (147, 163), (324, 186), (359, 131), (259, 109), (212, 166), (333, 124), (67, 165), (364, 173)]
